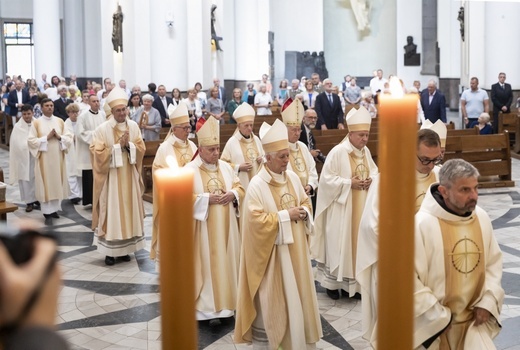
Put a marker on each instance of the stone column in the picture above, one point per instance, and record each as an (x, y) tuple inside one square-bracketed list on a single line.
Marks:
[(73, 33), (430, 64), (251, 29), (47, 38)]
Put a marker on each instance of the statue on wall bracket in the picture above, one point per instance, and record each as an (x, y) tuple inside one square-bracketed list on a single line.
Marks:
[(460, 18), (117, 29), (214, 37), (361, 9), (411, 57)]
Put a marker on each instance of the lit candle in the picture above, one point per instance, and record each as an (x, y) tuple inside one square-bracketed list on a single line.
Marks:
[(396, 161), (174, 191)]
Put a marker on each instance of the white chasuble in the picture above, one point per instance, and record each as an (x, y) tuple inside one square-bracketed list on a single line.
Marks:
[(458, 266)]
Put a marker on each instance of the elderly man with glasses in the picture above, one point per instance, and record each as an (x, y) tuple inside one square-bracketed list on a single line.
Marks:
[(429, 155), (178, 146)]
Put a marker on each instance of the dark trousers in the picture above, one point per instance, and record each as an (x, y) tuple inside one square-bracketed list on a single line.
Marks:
[(87, 181)]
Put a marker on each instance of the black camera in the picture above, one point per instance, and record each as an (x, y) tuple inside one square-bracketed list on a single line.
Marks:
[(20, 243)]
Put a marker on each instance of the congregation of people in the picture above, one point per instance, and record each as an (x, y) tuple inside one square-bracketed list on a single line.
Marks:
[(262, 213)]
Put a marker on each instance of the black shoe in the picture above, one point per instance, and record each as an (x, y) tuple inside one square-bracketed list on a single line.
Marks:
[(54, 215), (333, 294), (75, 200), (48, 220), (215, 322), (110, 260), (124, 258), (29, 208)]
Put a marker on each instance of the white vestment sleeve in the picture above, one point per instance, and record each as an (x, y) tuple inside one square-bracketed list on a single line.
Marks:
[(201, 207), (309, 223), (285, 235), (43, 144), (117, 156), (132, 154)]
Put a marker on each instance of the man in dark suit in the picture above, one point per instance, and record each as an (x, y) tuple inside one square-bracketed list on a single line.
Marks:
[(502, 97), (306, 136), (328, 108), (17, 98), (161, 103), (61, 103), (433, 103), (221, 92)]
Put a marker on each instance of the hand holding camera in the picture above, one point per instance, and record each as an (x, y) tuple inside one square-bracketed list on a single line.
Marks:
[(29, 281)]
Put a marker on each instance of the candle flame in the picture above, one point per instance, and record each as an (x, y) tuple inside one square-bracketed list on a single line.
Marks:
[(396, 90), (172, 162)]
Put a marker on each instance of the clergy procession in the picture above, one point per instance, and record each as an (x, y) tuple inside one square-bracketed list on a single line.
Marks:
[(267, 226)]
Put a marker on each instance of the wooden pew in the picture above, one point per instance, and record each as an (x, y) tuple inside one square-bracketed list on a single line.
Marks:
[(5, 207), (510, 122), (463, 132), (490, 154)]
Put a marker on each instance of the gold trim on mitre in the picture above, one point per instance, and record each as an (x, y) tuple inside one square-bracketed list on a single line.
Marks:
[(275, 139), (440, 128), (209, 133), (244, 113), (293, 115), (178, 114), (359, 119), (117, 97)]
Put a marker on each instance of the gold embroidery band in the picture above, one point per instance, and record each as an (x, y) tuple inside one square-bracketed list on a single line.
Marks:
[(275, 146), (359, 127)]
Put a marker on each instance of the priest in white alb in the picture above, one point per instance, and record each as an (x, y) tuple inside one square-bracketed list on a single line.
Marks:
[(458, 266), (426, 173), (117, 208), (217, 194), (277, 306), (48, 142), (88, 121), (345, 179), (21, 161), (243, 150), (301, 160), (176, 145)]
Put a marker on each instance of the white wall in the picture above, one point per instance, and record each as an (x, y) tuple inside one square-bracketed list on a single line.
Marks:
[(448, 35), (409, 25), (501, 21), (22, 10), (349, 52), (296, 28)]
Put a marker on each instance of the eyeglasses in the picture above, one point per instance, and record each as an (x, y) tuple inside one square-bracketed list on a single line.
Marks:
[(435, 161), (185, 128)]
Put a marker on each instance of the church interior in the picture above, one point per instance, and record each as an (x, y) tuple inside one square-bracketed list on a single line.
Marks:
[(178, 43)]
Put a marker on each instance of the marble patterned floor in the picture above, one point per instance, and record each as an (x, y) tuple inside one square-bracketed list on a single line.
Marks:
[(117, 307)]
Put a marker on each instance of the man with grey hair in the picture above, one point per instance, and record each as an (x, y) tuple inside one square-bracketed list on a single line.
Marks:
[(136, 89), (295, 88), (433, 103), (458, 265), (328, 107), (221, 91)]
